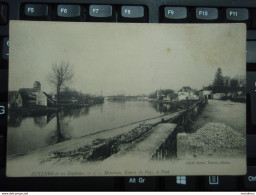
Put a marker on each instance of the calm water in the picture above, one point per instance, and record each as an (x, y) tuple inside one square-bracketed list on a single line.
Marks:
[(25, 134)]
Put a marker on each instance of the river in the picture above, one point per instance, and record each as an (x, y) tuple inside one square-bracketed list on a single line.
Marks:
[(30, 133)]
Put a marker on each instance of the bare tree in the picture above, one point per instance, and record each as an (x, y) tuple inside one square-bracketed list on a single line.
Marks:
[(60, 75)]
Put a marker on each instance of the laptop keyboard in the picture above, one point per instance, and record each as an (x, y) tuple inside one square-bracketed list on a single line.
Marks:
[(143, 11)]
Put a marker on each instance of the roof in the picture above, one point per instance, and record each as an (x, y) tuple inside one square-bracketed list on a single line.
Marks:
[(27, 93), (49, 97), (173, 95), (186, 89), (12, 93)]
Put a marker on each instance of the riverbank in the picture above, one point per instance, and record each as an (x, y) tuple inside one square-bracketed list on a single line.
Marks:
[(33, 111), (86, 148), (119, 148), (44, 110), (108, 141)]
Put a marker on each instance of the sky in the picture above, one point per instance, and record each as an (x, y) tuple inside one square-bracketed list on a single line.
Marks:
[(125, 58)]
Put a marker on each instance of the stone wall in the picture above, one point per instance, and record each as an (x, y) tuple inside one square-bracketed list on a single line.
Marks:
[(168, 149)]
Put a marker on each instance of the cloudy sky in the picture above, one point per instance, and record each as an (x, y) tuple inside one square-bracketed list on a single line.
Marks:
[(125, 58)]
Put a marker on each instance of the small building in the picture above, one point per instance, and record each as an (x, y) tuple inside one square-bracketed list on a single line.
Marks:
[(159, 95), (187, 96), (183, 95), (186, 93), (73, 100), (51, 101), (167, 98), (218, 96), (15, 101), (205, 94), (171, 97), (33, 96), (186, 89)]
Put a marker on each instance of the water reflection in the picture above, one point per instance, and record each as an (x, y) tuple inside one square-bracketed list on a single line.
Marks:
[(41, 121), (60, 134), (164, 108), (14, 120), (76, 113), (29, 133)]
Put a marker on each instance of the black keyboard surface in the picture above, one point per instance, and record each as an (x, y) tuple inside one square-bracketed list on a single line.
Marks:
[(141, 11)]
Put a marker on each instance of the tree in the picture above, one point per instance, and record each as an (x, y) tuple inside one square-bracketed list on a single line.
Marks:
[(226, 81), (60, 75), (234, 86), (218, 82), (166, 92), (152, 95)]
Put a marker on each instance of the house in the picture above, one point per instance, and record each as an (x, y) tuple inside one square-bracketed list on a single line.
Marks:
[(218, 96), (171, 97), (33, 96), (183, 95), (186, 93), (15, 100), (26, 97), (159, 95), (51, 101), (166, 96), (205, 94), (186, 89), (73, 100)]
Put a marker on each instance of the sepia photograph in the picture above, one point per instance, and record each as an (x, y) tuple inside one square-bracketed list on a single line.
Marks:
[(101, 99)]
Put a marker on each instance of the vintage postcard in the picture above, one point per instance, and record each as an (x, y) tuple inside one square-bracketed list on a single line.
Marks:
[(101, 99)]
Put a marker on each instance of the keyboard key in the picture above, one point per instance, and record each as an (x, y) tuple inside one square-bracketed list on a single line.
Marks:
[(250, 54), (251, 146), (184, 183), (68, 11), (253, 18), (5, 48), (237, 14), (251, 34), (2, 109), (3, 117), (3, 14), (2, 147), (251, 90), (3, 84), (100, 11), (203, 13), (36, 10), (132, 11), (221, 182), (250, 178), (175, 13), (141, 183)]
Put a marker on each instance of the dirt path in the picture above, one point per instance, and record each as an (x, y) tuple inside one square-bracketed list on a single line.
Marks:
[(232, 114)]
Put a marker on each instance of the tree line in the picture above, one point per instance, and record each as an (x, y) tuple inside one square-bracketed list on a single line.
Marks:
[(226, 84), (70, 94)]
